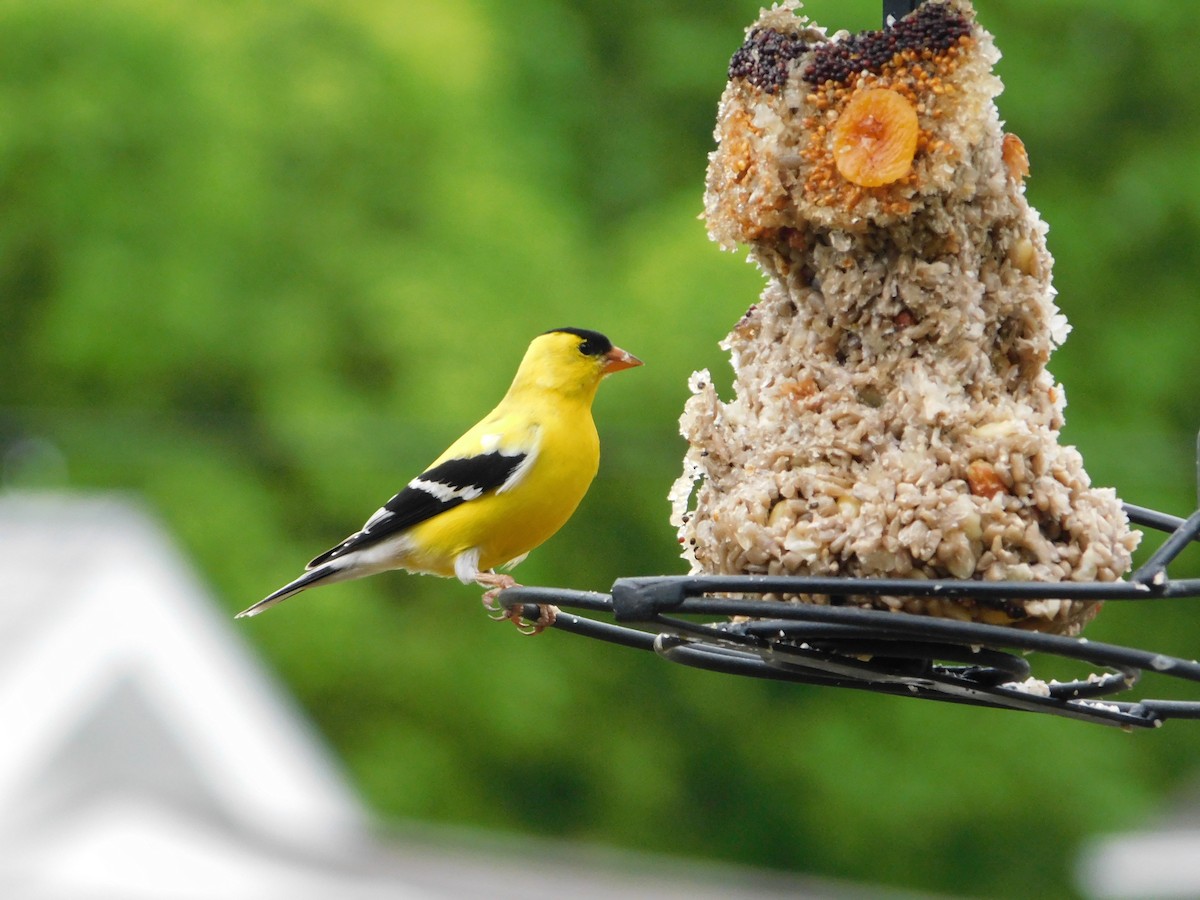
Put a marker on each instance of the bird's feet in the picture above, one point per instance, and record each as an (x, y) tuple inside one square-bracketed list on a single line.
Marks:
[(499, 582), (547, 613)]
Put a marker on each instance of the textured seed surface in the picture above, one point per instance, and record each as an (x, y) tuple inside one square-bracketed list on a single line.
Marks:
[(891, 410)]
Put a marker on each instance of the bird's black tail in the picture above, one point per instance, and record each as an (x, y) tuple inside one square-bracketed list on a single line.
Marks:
[(307, 580)]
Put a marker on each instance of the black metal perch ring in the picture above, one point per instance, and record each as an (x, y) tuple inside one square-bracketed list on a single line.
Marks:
[(892, 652)]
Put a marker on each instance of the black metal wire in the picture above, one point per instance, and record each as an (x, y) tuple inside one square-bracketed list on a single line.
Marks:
[(894, 10), (892, 652)]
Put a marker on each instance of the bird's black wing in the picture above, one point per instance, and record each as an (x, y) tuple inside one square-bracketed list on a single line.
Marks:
[(443, 487)]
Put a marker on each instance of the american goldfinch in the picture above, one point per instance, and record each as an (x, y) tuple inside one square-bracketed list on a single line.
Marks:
[(497, 492)]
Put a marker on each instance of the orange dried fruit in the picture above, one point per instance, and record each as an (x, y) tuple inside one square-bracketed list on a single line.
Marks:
[(984, 480), (1015, 157), (799, 390), (875, 138)]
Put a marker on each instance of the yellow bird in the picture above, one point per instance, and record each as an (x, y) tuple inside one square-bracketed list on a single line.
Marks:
[(497, 492)]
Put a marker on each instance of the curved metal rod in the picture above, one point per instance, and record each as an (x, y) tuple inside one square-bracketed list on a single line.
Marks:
[(891, 652), (727, 661)]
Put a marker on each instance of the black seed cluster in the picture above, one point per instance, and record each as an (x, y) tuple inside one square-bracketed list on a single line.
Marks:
[(934, 26), (765, 58)]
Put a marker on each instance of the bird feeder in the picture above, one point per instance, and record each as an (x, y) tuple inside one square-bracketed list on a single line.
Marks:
[(885, 503)]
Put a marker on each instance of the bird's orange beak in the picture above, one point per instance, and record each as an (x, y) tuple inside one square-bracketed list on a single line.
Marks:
[(617, 359)]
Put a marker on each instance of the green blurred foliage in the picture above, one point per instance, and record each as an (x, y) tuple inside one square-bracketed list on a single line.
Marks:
[(261, 261)]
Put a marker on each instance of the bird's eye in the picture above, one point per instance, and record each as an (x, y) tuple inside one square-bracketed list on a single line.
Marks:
[(587, 348)]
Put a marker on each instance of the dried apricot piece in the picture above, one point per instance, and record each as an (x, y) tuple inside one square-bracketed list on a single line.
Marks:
[(1016, 160), (984, 480), (875, 138)]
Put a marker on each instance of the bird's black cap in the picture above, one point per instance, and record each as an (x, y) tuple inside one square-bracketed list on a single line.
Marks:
[(594, 343)]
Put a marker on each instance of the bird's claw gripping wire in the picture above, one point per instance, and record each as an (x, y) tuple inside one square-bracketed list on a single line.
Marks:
[(547, 613), (497, 612)]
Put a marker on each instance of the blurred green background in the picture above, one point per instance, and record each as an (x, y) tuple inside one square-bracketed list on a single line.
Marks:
[(260, 261)]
